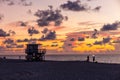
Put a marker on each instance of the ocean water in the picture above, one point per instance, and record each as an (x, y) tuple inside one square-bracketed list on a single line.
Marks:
[(101, 58)]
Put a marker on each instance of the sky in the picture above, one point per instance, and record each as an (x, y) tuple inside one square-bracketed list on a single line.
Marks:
[(95, 14)]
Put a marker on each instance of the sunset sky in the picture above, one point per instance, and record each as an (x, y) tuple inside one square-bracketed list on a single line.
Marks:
[(107, 11), (57, 22)]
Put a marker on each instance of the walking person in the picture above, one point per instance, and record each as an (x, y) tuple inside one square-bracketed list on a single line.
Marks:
[(93, 56), (88, 59), (19, 57), (4, 57)]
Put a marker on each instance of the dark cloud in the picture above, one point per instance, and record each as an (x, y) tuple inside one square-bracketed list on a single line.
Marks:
[(1, 17), (98, 43), (25, 3), (16, 2), (78, 6), (106, 40), (11, 33), (88, 0), (45, 30), (81, 39), (48, 34), (3, 33), (29, 11), (8, 41), (21, 23), (50, 15), (19, 40), (11, 3), (97, 8), (113, 26), (74, 6), (14, 45), (94, 35), (20, 46), (24, 40), (32, 31)]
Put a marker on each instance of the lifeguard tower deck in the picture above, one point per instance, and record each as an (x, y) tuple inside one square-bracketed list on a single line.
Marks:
[(35, 52)]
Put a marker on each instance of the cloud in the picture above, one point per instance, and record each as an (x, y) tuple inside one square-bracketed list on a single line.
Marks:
[(78, 6), (29, 11), (94, 35), (58, 28), (74, 6), (11, 33), (113, 26), (45, 30), (8, 41), (32, 31), (11, 3), (51, 35), (21, 23), (97, 8), (3, 33), (1, 17), (26, 3), (50, 15), (16, 2), (24, 40), (106, 40), (91, 0), (48, 34), (88, 23)]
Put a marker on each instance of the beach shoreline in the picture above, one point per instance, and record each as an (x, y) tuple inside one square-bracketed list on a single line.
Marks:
[(101, 58), (14, 69)]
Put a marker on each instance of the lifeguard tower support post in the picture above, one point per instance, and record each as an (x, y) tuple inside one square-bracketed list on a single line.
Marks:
[(34, 53)]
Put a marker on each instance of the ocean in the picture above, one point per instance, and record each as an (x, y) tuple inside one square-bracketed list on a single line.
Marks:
[(101, 58)]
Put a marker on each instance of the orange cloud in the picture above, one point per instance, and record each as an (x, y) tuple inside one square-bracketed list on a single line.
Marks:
[(88, 23), (58, 28)]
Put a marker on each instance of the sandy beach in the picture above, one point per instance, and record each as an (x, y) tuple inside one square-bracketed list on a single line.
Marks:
[(57, 70)]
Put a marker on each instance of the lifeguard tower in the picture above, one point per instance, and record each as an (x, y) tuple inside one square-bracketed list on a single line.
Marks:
[(35, 52)]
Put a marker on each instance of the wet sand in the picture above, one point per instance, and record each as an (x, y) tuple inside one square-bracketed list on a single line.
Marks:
[(57, 70)]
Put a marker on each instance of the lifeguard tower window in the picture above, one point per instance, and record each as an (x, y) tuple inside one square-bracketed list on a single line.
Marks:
[(34, 52)]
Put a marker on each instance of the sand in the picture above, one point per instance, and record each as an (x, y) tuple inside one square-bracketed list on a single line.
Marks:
[(57, 70)]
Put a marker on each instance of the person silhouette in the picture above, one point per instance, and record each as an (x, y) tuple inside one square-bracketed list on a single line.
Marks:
[(4, 57), (19, 57), (93, 56), (88, 59)]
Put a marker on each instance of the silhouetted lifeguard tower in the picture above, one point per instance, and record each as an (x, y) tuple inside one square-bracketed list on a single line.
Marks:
[(35, 52)]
